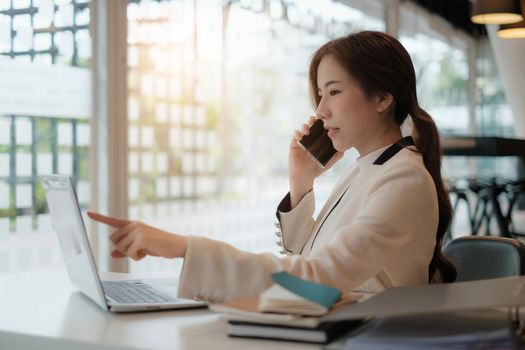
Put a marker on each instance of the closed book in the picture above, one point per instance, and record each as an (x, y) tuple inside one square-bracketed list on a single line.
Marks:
[(322, 334), (249, 310), (294, 295), (278, 299)]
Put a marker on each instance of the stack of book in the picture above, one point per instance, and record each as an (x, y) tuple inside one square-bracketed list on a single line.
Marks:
[(292, 309)]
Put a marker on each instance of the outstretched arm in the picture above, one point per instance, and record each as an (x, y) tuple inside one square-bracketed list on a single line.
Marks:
[(136, 239)]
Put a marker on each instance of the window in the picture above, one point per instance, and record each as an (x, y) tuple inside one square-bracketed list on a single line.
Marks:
[(494, 117), (45, 50), (440, 57), (215, 90), (493, 112), (442, 71)]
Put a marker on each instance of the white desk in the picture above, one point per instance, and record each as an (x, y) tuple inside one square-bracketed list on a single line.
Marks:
[(42, 310)]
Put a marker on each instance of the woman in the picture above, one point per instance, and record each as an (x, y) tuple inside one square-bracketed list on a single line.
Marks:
[(383, 224)]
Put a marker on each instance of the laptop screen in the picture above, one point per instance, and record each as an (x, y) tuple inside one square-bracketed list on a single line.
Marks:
[(72, 237)]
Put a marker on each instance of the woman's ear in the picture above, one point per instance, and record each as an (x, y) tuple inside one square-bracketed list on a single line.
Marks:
[(383, 101)]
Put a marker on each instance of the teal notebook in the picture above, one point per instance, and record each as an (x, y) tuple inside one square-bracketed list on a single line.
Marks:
[(315, 292)]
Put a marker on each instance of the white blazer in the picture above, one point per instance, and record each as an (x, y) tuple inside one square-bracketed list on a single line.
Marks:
[(376, 230)]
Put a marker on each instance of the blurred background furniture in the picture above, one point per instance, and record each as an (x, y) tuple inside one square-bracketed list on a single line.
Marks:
[(495, 197), (482, 257)]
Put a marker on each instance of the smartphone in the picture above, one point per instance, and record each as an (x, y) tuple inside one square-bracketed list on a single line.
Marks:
[(317, 144)]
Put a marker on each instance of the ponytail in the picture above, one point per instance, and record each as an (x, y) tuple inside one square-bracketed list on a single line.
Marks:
[(426, 139)]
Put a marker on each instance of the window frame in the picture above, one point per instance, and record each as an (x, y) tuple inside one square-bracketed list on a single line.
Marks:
[(109, 136)]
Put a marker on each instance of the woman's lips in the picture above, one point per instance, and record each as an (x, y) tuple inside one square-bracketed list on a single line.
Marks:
[(332, 131)]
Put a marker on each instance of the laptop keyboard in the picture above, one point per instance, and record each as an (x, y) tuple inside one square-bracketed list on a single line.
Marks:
[(134, 292)]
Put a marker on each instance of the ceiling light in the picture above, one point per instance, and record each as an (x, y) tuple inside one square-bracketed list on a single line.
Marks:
[(512, 31), (496, 11)]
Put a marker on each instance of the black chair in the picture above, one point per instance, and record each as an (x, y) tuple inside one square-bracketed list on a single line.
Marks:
[(482, 257)]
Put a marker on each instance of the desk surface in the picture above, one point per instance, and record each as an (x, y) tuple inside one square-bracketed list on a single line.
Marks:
[(41, 309)]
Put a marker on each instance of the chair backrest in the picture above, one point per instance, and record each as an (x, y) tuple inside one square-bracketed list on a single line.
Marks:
[(482, 257)]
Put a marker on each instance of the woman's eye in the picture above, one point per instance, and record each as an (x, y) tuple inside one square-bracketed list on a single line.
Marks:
[(334, 92)]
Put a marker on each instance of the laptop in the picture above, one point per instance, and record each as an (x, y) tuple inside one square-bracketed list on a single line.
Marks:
[(114, 296)]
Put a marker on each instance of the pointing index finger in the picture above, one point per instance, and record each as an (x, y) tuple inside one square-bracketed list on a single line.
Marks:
[(108, 220)]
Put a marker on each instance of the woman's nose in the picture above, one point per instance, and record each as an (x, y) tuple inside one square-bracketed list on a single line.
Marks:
[(321, 112)]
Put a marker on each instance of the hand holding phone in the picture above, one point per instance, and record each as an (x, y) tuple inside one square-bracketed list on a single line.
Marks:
[(317, 144)]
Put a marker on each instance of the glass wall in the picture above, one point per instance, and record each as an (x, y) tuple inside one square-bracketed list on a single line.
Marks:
[(45, 106), (442, 71), (215, 93), (442, 68), (494, 117), (442, 74)]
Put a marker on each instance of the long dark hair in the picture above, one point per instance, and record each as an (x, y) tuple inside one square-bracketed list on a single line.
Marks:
[(382, 65)]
